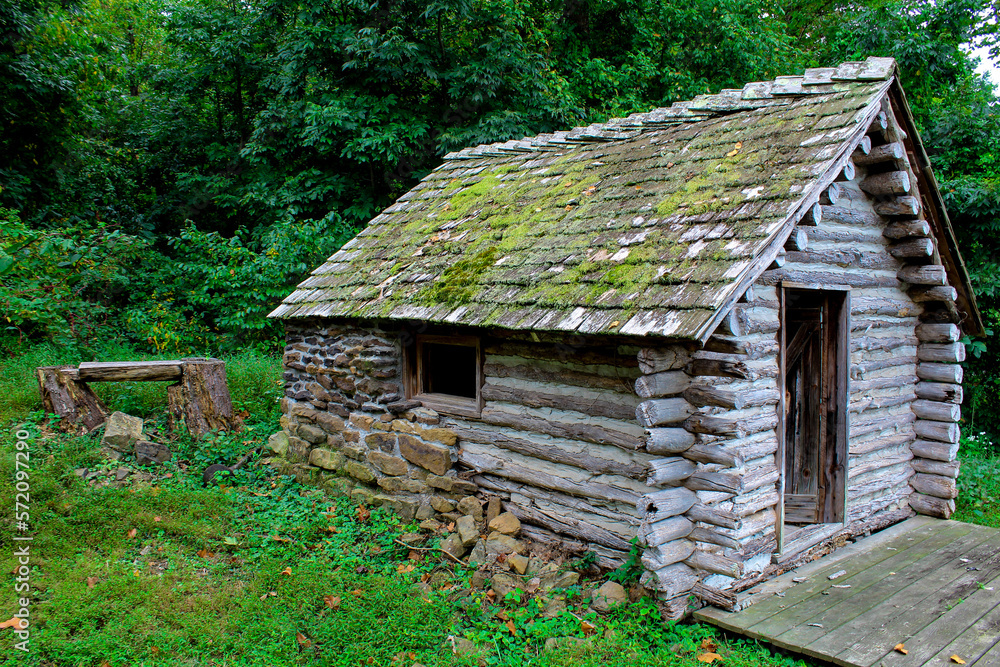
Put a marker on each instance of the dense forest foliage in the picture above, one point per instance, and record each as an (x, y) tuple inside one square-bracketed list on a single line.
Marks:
[(171, 168)]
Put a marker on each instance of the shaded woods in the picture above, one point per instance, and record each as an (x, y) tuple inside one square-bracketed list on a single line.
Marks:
[(169, 170)]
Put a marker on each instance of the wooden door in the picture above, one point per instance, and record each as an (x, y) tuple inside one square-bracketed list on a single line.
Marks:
[(815, 342)]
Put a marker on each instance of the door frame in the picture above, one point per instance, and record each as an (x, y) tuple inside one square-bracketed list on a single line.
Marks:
[(841, 379)]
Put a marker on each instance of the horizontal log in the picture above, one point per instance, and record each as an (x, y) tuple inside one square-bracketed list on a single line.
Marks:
[(718, 368), (661, 532), (664, 504), (596, 377), (762, 475), (931, 274), (883, 153), (941, 312), (907, 229), (941, 392), (659, 557), (727, 345), (860, 370), (663, 411), (924, 294), (929, 505), (813, 216), (714, 516), (905, 206), (713, 454), (567, 525), (731, 325), (749, 294), (953, 353), (606, 558), (831, 195), (625, 517), (715, 596), (931, 467), (945, 373), (659, 359), (702, 395), (938, 333), (912, 249), (709, 536), (931, 430), (130, 371), (671, 581), (549, 449), (571, 425), (711, 425), (596, 403), (797, 240), (850, 216), (810, 277), (858, 427), (936, 451), (864, 147), (779, 260), (560, 352), (934, 485), (715, 563), (669, 472), (668, 440), (665, 383), (881, 442), (726, 482), (878, 124), (848, 172), (942, 412), (887, 183)]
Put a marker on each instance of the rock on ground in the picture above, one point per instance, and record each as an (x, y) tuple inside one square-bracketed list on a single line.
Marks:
[(121, 432)]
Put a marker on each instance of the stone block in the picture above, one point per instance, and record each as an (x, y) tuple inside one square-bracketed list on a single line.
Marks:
[(298, 450), (468, 532), (359, 471), (326, 459), (329, 423), (440, 482), (442, 435), (442, 504), (387, 465), (362, 496), (498, 543), (403, 426), (384, 441), (351, 436), (415, 486), (356, 452), (471, 506), (312, 434), (278, 443), (405, 508), (121, 432), (452, 545), (518, 562), (506, 523), (424, 512), (435, 458), (391, 484), (361, 421), (462, 486), (425, 416)]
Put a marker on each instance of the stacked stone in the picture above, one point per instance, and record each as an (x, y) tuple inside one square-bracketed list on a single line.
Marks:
[(346, 427)]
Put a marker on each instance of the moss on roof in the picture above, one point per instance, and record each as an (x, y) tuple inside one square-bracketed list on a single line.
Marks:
[(644, 225)]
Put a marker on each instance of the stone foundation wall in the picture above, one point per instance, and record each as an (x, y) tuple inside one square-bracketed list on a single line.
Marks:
[(347, 428)]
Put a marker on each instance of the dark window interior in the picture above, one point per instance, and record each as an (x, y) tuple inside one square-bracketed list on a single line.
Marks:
[(449, 369)]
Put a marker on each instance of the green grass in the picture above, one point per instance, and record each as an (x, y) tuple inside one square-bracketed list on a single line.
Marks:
[(202, 579), (979, 482)]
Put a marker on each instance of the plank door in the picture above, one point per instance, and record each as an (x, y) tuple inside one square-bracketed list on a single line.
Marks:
[(815, 340)]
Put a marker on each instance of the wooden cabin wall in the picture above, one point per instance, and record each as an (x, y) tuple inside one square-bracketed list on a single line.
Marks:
[(557, 441)]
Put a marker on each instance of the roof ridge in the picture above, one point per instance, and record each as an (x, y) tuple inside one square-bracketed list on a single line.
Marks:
[(752, 96)]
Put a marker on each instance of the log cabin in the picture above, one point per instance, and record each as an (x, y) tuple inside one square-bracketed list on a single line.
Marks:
[(725, 333)]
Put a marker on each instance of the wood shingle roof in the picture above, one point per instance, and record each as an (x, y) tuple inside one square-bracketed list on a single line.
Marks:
[(648, 225)]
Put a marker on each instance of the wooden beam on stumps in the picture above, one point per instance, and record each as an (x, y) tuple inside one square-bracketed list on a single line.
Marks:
[(74, 402), (200, 400)]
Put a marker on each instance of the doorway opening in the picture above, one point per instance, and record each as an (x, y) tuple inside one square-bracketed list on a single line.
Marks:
[(815, 359)]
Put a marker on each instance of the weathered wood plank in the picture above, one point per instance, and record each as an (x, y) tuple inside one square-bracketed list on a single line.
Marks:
[(131, 371)]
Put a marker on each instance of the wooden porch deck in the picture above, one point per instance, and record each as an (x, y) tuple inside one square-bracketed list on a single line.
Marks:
[(929, 584)]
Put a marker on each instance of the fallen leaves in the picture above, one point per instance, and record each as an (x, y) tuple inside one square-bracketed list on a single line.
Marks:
[(958, 661), (205, 553), (709, 651), (709, 657), (510, 627), (362, 513), (402, 569), (131, 533), (900, 648), (287, 571), (587, 627), (268, 594), (739, 145), (303, 641), (91, 582), (332, 601), (14, 622)]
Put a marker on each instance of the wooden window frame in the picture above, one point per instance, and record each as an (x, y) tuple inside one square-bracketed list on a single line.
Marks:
[(839, 370), (414, 372)]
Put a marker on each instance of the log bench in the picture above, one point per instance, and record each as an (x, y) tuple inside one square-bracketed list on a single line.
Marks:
[(199, 397)]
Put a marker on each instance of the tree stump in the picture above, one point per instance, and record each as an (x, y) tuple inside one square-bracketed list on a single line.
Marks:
[(73, 401), (201, 399)]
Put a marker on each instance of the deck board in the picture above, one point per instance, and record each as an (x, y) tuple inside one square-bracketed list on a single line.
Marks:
[(933, 585)]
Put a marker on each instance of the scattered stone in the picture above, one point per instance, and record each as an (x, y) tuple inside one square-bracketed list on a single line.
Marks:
[(440, 578), (462, 486), (506, 523), (425, 512), (442, 504), (467, 531), (122, 473), (452, 545), (479, 579), (608, 596), (430, 525), (405, 508), (554, 607), (278, 443), (326, 459), (478, 554), (450, 517), (518, 562), (388, 465), (410, 539), (503, 583), (149, 453), (121, 432), (471, 506), (435, 458), (498, 543), (493, 508), (81, 472)]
